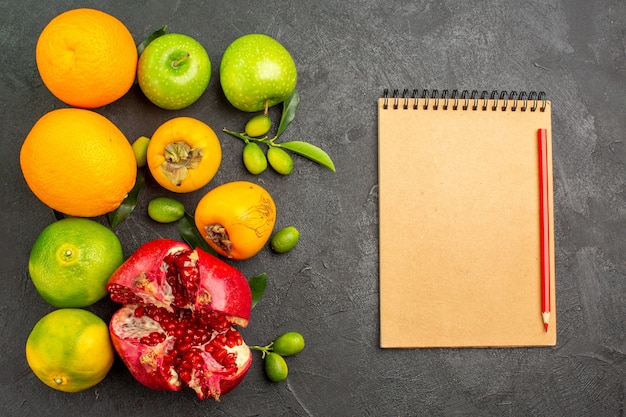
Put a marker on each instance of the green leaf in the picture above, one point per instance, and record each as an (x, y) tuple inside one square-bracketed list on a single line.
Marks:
[(309, 151), (159, 32), (191, 235), (118, 215), (257, 286), (290, 105)]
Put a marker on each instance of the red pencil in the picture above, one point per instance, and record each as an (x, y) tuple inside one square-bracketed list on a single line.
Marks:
[(544, 218)]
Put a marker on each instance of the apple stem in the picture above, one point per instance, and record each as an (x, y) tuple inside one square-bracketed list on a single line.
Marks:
[(267, 102), (176, 63)]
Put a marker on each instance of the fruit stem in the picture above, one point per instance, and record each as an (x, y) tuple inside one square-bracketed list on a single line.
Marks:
[(246, 138), (267, 105), (238, 135), (263, 349), (176, 63)]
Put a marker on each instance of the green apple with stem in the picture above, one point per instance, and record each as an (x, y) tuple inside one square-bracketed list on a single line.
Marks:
[(173, 71), (257, 72)]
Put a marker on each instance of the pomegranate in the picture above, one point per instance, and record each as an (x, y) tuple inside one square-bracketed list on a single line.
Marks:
[(177, 324)]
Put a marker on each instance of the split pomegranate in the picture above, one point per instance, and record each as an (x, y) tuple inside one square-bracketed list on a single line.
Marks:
[(177, 324)]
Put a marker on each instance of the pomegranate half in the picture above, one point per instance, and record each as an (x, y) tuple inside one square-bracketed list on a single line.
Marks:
[(177, 324)]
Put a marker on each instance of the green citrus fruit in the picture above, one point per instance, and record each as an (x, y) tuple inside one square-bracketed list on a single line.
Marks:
[(280, 160), (276, 367), (259, 125), (288, 344), (140, 149), (165, 210), (70, 349), (285, 239), (253, 158), (72, 260)]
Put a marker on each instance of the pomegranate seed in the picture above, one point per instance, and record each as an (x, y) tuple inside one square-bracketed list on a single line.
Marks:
[(201, 336), (139, 311), (233, 338), (184, 347), (185, 364), (122, 295), (218, 322), (217, 344), (220, 355), (185, 376), (230, 358), (157, 337)]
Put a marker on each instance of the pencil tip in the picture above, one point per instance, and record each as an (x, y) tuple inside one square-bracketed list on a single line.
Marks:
[(546, 319)]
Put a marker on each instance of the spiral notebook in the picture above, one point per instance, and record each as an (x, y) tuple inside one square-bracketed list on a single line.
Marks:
[(459, 219)]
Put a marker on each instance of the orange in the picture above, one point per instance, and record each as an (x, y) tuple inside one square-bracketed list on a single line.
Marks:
[(184, 154), (87, 58), (78, 162), (70, 350), (236, 219), (72, 260)]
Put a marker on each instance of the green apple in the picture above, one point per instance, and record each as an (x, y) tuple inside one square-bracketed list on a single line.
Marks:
[(173, 71), (256, 69)]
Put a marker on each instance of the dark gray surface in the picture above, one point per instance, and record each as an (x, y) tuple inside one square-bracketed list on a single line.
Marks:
[(347, 52)]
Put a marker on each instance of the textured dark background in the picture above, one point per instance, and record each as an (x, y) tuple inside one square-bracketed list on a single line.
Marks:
[(347, 52)]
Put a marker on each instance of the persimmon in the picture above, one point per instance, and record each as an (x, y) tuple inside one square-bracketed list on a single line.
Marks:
[(236, 219), (184, 154)]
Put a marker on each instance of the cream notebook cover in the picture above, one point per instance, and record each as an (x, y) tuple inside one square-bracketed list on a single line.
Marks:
[(459, 220)]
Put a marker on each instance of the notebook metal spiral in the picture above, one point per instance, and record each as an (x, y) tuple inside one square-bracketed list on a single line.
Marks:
[(466, 99)]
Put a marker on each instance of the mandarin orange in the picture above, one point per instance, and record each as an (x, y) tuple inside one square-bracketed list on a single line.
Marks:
[(87, 58), (78, 162), (70, 349)]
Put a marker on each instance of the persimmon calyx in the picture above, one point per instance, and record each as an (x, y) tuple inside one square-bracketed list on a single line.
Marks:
[(179, 159), (218, 234)]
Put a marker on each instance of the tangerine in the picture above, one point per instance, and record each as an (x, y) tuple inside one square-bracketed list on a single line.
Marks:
[(87, 58), (72, 260), (70, 350), (78, 162)]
